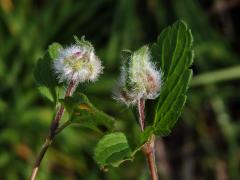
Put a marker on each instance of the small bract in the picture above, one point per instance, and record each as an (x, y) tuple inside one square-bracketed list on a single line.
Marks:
[(78, 63), (139, 78)]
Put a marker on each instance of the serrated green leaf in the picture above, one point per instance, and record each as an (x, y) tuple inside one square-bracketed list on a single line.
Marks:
[(54, 50), (112, 149), (173, 53), (83, 112)]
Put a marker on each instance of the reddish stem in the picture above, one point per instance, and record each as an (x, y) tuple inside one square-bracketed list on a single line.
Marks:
[(148, 147), (141, 108), (52, 131)]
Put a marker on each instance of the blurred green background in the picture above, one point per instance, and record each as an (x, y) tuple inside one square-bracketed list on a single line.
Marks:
[(205, 142)]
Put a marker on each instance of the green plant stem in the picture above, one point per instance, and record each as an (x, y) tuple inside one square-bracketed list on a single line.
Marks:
[(148, 147), (52, 132)]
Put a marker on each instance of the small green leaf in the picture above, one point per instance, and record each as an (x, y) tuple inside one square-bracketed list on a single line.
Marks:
[(112, 149), (44, 74), (83, 43), (82, 111), (45, 78), (54, 50), (173, 53)]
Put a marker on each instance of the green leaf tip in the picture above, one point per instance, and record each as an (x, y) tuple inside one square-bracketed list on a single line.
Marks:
[(174, 55), (54, 50)]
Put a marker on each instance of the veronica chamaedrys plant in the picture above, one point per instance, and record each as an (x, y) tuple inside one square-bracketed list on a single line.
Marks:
[(72, 65), (141, 80)]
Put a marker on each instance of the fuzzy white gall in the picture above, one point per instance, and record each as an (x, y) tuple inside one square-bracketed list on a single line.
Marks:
[(139, 78), (78, 63)]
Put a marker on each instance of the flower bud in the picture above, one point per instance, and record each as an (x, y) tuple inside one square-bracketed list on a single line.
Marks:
[(139, 78), (78, 62)]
